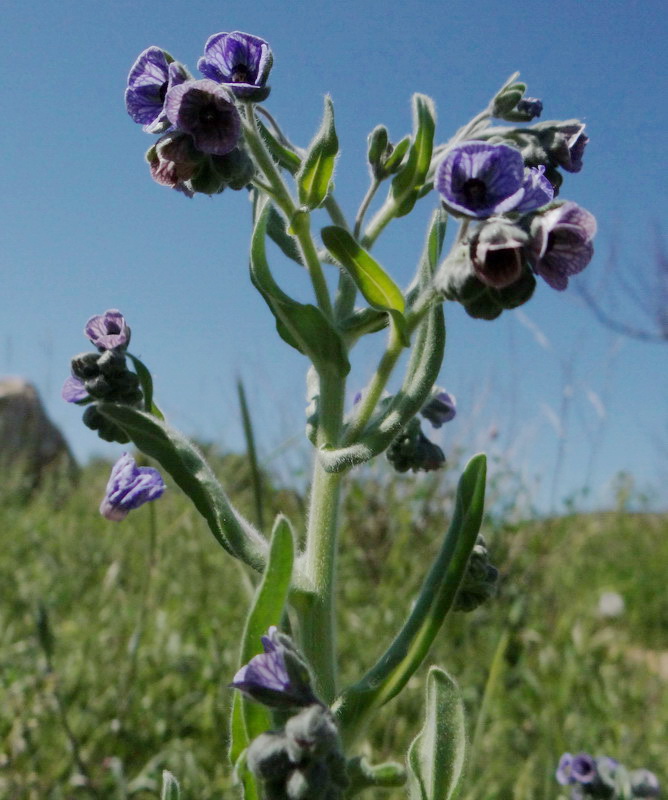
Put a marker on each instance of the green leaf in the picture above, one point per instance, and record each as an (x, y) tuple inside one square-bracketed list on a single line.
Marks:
[(177, 456), (170, 787), (410, 646), (379, 290), (437, 755), (277, 229), (410, 178), (421, 373), (315, 174), (303, 326), (267, 610), (146, 381), (249, 719), (287, 158)]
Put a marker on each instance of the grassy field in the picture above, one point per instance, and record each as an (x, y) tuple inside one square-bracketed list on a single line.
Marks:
[(146, 617)]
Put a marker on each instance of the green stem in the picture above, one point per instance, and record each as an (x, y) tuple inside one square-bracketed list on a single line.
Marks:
[(388, 361), (368, 197), (299, 221), (381, 219), (318, 563)]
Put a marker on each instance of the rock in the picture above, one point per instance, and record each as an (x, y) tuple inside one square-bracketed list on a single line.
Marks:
[(32, 449)]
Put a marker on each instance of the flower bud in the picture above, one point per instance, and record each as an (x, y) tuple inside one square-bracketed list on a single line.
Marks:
[(235, 168), (378, 140), (440, 408), (506, 100), (644, 783), (412, 450), (480, 579), (268, 758), (106, 430), (564, 143), (85, 366)]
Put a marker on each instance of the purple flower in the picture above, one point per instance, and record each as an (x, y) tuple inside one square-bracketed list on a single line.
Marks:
[(73, 390), (530, 106), (240, 61), (563, 773), (108, 331), (206, 111), (561, 243), (583, 768), (152, 75), (277, 677), (480, 179), (441, 408), (538, 191), (129, 487), (568, 146)]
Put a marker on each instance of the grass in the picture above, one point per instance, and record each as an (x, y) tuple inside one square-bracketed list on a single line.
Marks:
[(145, 635)]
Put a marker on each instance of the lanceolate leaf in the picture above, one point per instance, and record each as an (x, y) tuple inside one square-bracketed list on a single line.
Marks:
[(317, 168), (439, 589), (250, 719), (379, 290), (303, 326), (186, 465), (437, 755), (408, 181)]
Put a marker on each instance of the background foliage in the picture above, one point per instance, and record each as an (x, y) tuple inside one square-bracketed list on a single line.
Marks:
[(146, 635)]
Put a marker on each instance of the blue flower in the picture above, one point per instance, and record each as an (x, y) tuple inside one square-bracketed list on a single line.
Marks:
[(152, 75), (129, 487), (479, 179), (241, 61)]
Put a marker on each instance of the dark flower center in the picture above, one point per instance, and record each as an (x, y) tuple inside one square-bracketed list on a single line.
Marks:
[(550, 242), (162, 91), (208, 113), (475, 191), (240, 74), (112, 327)]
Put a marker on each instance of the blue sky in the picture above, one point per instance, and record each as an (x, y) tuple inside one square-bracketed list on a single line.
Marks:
[(85, 229)]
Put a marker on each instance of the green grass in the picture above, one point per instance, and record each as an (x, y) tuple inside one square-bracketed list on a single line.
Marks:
[(146, 635)]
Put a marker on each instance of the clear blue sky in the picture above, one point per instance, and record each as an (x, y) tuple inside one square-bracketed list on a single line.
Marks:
[(85, 229)]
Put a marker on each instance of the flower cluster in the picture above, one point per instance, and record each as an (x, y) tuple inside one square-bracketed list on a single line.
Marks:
[(505, 181), (104, 375), (604, 777), (201, 148)]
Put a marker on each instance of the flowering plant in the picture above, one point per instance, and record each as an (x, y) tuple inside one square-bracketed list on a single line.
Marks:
[(294, 728)]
